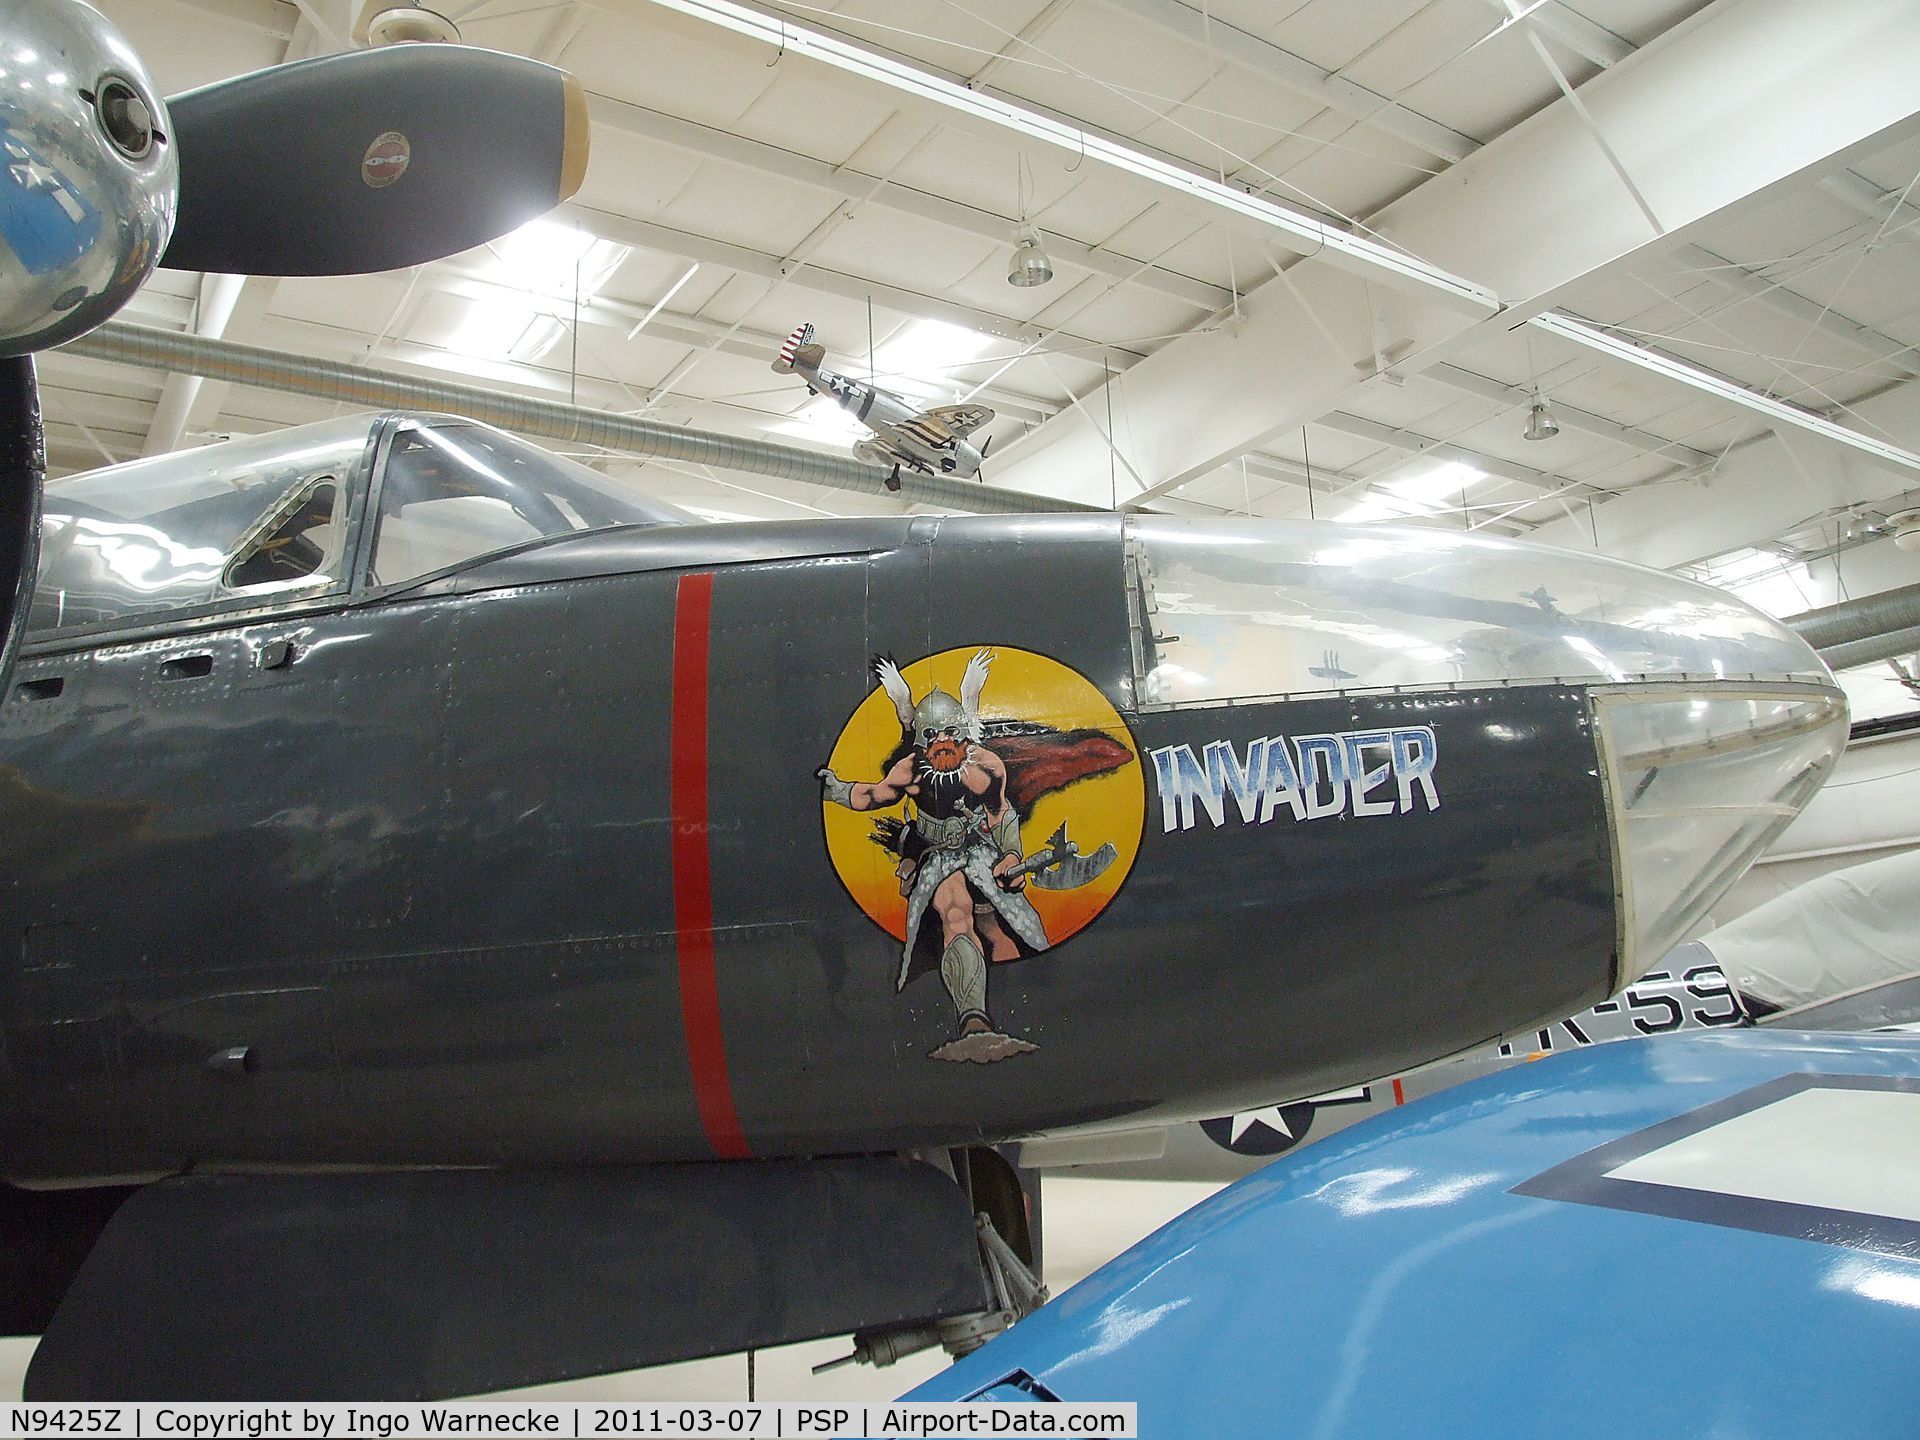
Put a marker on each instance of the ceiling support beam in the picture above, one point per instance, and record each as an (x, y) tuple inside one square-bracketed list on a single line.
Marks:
[(561, 32), (218, 295), (1761, 489), (1446, 452), (249, 310), (1329, 485), (1486, 387), (651, 236), (1591, 42), (1746, 98), (1282, 67), (851, 184), (696, 331), (1897, 355), (930, 92), (1777, 412)]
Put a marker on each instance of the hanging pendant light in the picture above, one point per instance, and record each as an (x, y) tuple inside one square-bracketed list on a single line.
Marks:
[(1540, 424), (1029, 266)]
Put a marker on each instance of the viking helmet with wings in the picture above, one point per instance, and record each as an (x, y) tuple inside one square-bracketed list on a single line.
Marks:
[(939, 711)]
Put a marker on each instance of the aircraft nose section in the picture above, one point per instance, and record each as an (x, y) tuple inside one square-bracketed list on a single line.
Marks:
[(1713, 722), (1700, 777)]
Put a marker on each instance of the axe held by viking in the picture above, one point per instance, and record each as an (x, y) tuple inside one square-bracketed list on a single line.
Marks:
[(1059, 864)]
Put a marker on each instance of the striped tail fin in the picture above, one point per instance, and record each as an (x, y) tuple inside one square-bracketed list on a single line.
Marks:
[(784, 364)]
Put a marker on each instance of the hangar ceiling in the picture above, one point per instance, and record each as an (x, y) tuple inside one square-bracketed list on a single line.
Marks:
[(1727, 184)]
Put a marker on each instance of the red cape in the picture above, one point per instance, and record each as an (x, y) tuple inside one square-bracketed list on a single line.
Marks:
[(1040, 764)]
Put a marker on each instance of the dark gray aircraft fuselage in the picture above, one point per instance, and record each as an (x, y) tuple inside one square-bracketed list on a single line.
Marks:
[(529, 862), (425, 874)]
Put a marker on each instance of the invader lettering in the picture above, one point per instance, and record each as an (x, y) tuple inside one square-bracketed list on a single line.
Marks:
[(1309, 777)]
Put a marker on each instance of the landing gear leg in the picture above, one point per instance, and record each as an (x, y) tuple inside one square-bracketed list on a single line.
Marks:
[(1008, 1262), (893, 480)]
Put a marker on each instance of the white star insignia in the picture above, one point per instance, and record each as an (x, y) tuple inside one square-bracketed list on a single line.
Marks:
[(31, 175), (1269, 1117)]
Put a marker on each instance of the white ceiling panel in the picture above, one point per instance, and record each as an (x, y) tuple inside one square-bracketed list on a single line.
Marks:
[(676, 65), (1490, 88), (808, 109), (1423, 43), (1334, 33), (185, 47), (773, 219), (631, 176)]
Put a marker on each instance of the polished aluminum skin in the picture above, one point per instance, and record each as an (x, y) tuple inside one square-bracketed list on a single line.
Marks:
[(90, 171)]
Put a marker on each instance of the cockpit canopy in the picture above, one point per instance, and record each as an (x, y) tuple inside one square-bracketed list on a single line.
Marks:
[(285, 516)]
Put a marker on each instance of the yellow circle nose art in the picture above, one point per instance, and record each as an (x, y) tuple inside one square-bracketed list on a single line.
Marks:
[(1050, 752)]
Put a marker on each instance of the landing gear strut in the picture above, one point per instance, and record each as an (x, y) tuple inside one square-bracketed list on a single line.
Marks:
[(893, 479), (1017, 1293), (1008, 1233)]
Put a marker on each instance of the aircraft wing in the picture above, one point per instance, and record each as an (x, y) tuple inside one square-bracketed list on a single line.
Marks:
[(961, 420), (1678, 1235)]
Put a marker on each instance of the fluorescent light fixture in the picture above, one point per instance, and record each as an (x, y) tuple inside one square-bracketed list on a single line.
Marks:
[(661, 304), (1765, 579), (823, 420), (1736, 567), (543, 257), (1594, 338), (1442, 482), (1368, 509), (503, 330), (1352, 252), (1425, 492), (921, 359)]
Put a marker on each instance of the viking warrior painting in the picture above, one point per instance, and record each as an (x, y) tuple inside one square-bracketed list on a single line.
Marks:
[(968, 782)]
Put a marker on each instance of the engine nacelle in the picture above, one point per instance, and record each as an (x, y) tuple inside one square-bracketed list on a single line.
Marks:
[(90, 168)]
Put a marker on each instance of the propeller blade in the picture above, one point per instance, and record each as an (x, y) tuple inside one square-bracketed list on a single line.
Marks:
[(372, 160)]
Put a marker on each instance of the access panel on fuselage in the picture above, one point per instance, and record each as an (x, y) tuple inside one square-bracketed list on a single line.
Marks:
[(1046, 618), (1353, 877), (537, 1020), (245, 810)]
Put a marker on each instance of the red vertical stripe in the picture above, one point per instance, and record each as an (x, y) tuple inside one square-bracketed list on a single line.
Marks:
[(1399, 1095), (693, 870)]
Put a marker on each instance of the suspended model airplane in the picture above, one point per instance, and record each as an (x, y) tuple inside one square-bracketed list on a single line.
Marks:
[(1502, 1248), (410, 842), (933, 441)]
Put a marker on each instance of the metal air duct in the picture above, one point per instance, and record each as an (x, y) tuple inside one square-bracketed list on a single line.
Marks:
[(1859, 632), (130, 344)]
